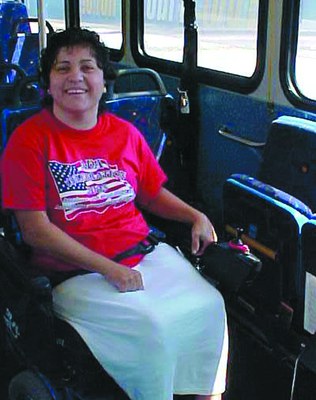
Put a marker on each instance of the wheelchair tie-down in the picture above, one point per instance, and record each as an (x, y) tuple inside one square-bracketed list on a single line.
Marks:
[(45, 357)]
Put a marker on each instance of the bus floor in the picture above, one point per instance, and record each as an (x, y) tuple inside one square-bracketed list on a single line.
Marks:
[(254, 373)]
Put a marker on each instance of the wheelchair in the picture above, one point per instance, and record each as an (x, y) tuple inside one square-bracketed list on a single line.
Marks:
[(45, 357)]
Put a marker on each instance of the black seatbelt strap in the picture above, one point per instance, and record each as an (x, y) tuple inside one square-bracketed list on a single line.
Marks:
[(146, 246)]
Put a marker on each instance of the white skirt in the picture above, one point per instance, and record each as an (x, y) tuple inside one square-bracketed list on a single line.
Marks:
[(170, 338)]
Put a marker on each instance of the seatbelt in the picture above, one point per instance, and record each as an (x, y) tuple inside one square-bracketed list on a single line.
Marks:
[(144, 247)]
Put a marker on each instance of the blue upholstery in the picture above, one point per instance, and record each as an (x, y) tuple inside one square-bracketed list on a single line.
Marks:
[(24, 51), (289, 158), (10, 118), (274, 211), (271, 192), (24, 46), (10, 12), (144, 112), (272, 222)]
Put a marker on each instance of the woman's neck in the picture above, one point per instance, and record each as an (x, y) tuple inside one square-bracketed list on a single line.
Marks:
[(77, 120)]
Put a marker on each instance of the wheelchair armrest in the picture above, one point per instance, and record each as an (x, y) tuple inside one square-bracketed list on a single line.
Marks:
[(42, 288)]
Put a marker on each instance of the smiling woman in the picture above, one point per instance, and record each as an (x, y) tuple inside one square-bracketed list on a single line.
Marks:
[(81, 172)]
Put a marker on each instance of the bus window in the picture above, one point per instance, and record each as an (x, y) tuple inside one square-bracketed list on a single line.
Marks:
[(104, 17), (163, 29), (53, 10), (305, 62), (228, 33)]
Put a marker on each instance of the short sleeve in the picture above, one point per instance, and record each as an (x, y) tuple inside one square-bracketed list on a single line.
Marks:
[(23, 172), (151, 175)]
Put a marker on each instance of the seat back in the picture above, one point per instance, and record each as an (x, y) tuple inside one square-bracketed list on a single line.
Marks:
[(24, 45), (272, 221), (139, 96), (10, 118), (289, 158), (10, 12), (11, 81)]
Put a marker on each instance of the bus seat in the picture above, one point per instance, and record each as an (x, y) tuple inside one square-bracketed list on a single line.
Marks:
[(272, 222), (274, 211), (10, 118), (144, 112), (273, 193), (289, 158), (10, 11), (11, 82), (139, 95), (24, 46)]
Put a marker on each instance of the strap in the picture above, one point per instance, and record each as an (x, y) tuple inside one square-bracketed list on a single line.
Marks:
[(146, 246)]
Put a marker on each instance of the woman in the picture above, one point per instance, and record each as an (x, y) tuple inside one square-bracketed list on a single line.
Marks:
[(72, 175)]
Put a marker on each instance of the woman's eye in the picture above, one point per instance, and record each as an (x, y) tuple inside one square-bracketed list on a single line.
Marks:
[(88, 68), (61, 68)]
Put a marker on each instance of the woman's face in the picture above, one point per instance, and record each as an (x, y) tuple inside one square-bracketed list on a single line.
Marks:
[(76, 84)]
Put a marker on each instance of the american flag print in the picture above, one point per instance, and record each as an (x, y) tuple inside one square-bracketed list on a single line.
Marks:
[(90, 185)]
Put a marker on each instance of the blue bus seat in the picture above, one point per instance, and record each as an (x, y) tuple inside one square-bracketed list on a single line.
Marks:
[(10, 11), (24, 46), (144, 112), (10, 118), (272, 222), (289, 158), (12, 79)]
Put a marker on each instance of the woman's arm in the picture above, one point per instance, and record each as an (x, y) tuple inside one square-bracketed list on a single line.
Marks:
[(169, 206), (41, 234)]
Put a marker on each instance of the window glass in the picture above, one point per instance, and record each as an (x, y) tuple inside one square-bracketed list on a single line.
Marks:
[(104, 17), (53, 10), (305, 64), (163, 29), (228, 35)]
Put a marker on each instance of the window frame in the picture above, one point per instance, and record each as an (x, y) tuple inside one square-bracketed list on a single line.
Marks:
[(211, 77), (289, 38), (73, 19)]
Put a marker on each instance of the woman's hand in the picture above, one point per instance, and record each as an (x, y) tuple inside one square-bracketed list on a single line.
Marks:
[(124, 279), (43, 235), (167, 205), (203, 234)]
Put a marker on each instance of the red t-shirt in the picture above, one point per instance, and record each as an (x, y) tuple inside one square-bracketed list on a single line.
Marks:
[(87, 181)]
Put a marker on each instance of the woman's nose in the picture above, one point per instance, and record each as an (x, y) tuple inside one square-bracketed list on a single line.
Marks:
[(75, 74)]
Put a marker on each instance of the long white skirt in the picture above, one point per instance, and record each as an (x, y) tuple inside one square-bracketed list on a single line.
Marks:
[(170, 338)]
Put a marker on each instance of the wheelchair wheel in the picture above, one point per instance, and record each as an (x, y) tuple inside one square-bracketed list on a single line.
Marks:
[(28, 386)]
